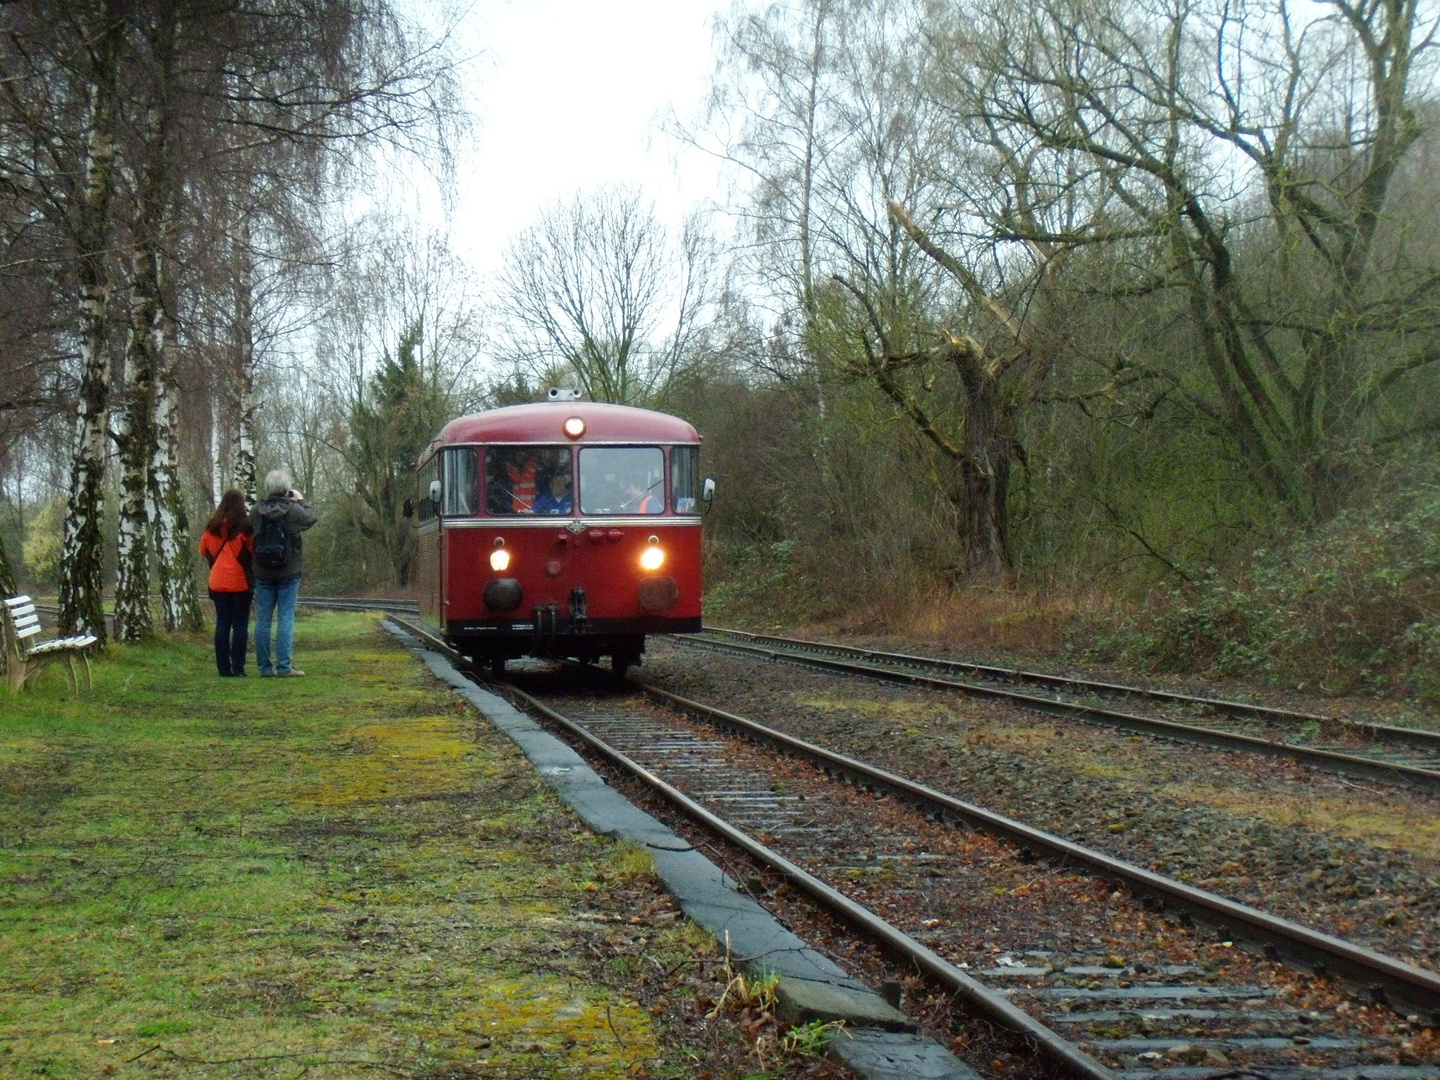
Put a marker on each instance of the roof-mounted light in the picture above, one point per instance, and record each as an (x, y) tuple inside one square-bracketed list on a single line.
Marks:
[(574, 427)]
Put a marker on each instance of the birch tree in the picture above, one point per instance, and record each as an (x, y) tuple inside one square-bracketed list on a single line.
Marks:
[(58, 149)]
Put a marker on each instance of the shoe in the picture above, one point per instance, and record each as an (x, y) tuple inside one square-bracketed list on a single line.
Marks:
[(294, 672)]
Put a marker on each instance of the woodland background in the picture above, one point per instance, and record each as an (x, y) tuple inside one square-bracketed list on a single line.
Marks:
[(1099, 326)]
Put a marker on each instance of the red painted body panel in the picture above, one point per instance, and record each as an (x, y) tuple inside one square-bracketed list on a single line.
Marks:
[(548, 567)]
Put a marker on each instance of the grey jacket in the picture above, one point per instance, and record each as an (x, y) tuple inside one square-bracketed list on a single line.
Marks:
[(299, 515)]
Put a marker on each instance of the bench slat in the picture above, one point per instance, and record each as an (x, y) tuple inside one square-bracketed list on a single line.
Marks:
[(17, 612), (62, 645), (27, 620), (17, 601), (29, 631)]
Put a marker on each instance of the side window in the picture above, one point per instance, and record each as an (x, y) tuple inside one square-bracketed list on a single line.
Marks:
[(461, 485), (527, 480), (622, 480), (424, 508), (685, 479)]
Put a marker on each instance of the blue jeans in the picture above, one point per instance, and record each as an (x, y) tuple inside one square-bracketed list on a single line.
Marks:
[(270, 596)]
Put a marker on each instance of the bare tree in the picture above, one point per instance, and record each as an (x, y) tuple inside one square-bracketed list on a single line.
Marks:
[(1249, 156), (842, 139), (400, 354), (599, 286)]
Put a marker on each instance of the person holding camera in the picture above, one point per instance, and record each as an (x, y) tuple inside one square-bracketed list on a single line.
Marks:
[(278, 521)]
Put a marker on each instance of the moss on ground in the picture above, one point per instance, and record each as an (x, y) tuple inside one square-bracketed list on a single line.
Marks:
[(334, 876)]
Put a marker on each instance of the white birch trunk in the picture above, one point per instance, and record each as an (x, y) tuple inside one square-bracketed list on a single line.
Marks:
[(220, 446), (244, 342), (82, 577), (175, 565), (133, 621), (144, 342)]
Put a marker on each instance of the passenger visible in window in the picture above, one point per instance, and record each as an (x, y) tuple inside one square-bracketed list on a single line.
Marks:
[(522, 478), (556, 498)]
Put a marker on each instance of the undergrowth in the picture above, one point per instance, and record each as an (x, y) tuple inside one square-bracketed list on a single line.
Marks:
[(1353, 605), (1349, 606)]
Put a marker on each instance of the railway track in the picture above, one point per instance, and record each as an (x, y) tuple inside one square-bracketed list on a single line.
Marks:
[(1026, 929), (1360, 750), (348, 603)]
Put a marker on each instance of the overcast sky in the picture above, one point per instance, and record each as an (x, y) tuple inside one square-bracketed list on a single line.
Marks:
[(568, 94)]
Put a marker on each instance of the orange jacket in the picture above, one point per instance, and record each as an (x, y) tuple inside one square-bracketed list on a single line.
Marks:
[(522, 486), (227, 574)]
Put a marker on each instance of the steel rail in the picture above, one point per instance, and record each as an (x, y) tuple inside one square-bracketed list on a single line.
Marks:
[(1331, 760), (1418, 737), (1384, 977), (1047, 1043)]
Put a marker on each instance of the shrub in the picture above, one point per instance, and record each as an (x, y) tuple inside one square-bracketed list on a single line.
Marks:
[(44, 543), (1351, 605)]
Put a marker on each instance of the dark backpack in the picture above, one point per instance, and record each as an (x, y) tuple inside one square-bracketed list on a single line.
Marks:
[(274, 546)]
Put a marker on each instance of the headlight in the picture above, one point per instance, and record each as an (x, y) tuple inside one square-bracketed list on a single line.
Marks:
[(499, 560), (652, 558)]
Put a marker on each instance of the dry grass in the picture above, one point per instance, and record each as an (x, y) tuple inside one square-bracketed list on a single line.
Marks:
[(986, 621)]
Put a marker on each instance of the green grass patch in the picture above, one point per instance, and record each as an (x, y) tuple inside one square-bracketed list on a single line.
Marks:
[(336, 876)]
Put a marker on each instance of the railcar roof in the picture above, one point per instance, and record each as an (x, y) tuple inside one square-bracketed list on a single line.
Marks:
[(541, 422)]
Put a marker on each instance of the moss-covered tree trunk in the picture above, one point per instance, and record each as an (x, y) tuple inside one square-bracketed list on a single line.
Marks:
[(7, 576)]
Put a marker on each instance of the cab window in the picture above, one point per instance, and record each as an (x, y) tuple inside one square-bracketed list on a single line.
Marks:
[(527, 480), (685, 479), (622, 480), (461, 485)]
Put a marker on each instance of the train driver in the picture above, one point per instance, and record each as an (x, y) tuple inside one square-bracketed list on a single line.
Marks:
[(638, 500)]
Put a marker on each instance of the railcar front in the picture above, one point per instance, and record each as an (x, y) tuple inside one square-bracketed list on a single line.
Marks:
[(560, 529)]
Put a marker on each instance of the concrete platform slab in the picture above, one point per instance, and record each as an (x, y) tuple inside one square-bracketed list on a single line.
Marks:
[(882, 1055)]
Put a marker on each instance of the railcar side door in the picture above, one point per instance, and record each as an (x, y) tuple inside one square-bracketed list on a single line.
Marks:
[(428, 543), (459, 499)]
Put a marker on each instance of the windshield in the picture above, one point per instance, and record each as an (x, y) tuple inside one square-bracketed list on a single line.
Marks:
[(622, 480), (527, 480)]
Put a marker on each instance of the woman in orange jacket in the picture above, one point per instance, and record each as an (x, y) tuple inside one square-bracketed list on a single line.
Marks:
[(228, 544)]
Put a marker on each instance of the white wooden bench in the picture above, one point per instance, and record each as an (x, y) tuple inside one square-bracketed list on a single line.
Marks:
[(23, 657)]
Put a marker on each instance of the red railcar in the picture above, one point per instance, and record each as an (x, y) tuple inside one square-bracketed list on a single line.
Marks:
[(560, 529)]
